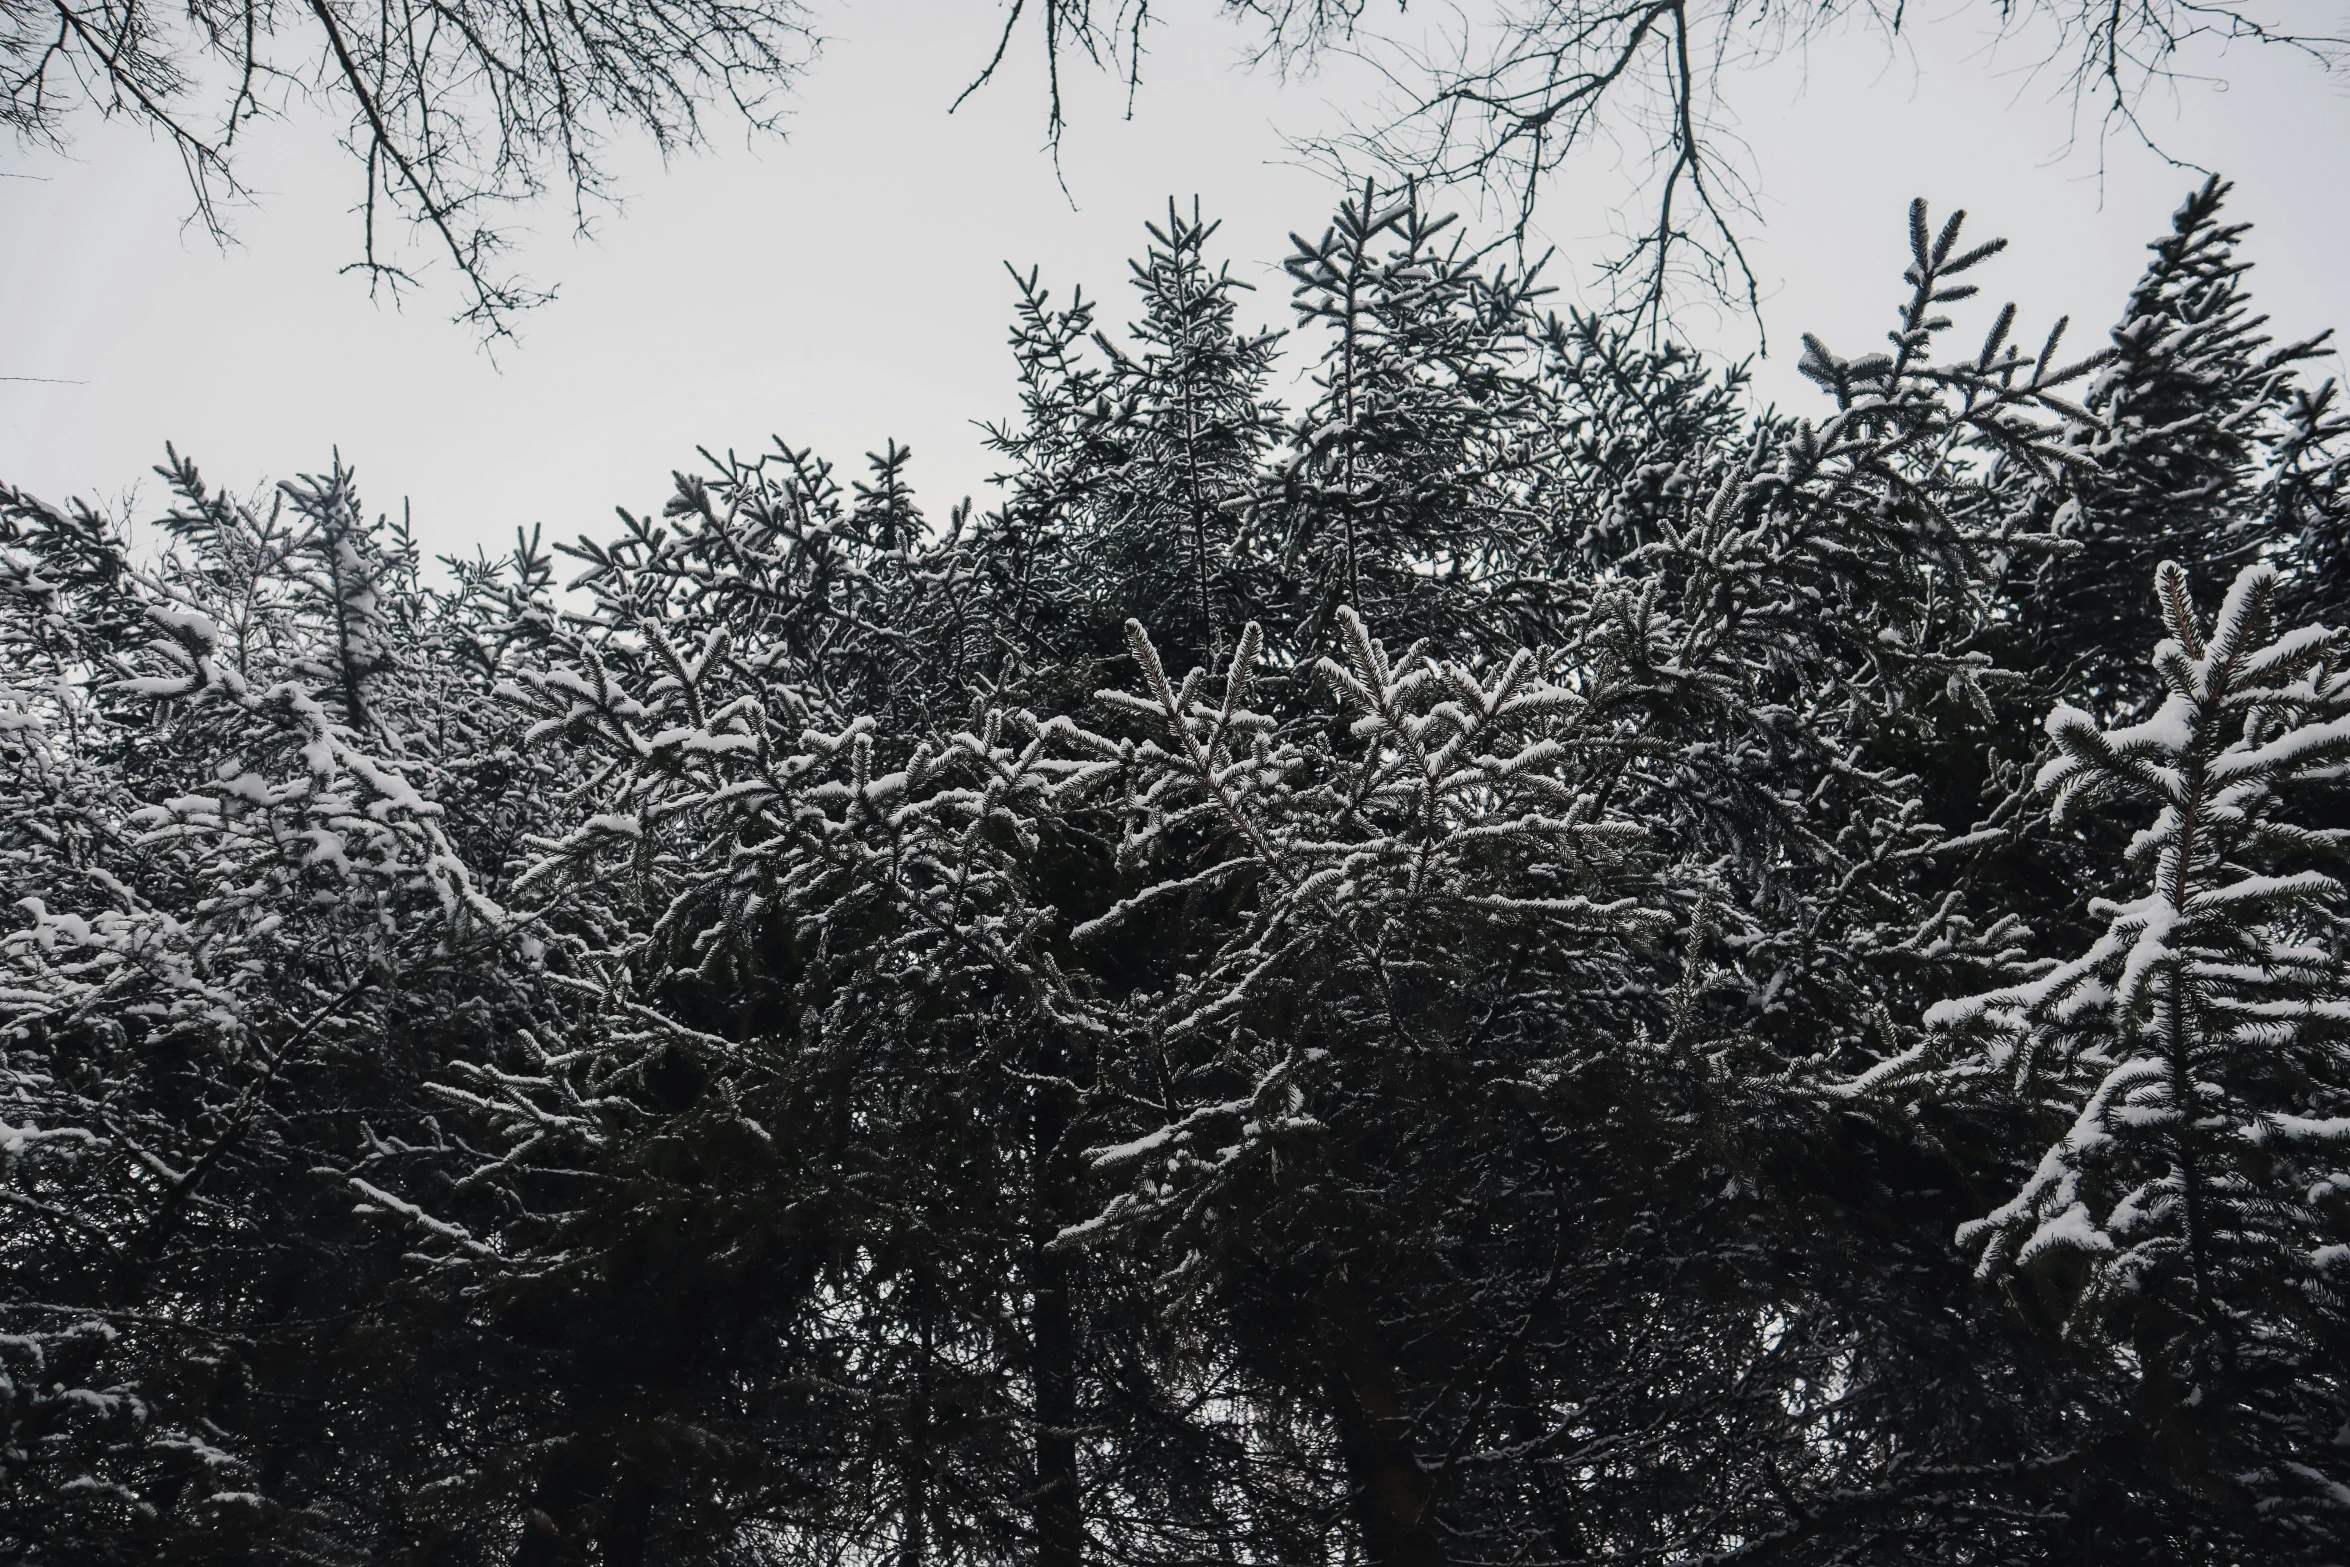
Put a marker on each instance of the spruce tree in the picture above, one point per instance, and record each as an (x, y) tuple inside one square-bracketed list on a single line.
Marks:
[(1182, 437), (1402, 485), (2186, 410), (2309, 493), (255, 940), (1370, 989), (2187, 1215)]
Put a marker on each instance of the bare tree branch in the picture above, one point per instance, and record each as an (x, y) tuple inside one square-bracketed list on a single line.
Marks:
[(1510, 91), (457, 111)]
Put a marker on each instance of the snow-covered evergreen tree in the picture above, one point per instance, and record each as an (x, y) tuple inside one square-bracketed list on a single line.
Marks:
[(1371, 988), (248, 936), (2309, 491), (1403, 483), (1184, 433), (2189, 1212), (2186, 411)]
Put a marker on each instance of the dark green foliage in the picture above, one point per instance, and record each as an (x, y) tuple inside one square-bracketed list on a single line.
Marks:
[(1373, 985), (1403, 491), (1178, 446), (2191, 411)]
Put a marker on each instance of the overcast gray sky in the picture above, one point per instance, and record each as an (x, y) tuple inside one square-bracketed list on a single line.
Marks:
[(846, 285)]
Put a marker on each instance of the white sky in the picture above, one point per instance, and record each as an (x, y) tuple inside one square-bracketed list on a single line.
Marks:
[(846, 285)]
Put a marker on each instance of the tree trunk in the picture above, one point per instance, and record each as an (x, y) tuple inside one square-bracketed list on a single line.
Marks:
[(556, 1526), (914, 1483), (1392, 1497), (1060, 1532), (628, 1531)]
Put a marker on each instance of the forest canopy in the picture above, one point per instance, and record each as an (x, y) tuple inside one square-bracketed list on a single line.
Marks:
[(1522, 960)]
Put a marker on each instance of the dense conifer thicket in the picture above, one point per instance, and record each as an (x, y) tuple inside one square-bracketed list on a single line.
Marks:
[(1523, 961)]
